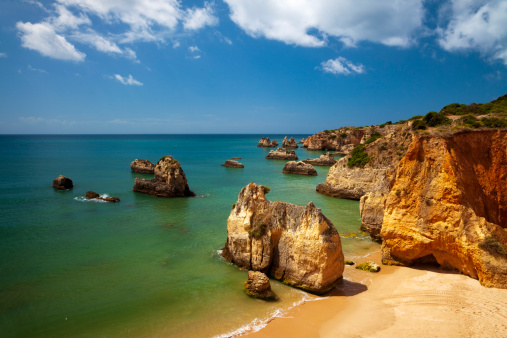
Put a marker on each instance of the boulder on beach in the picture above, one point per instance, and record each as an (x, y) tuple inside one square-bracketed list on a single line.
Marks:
[(282, 154), (299, 168), (326, 159), (267, 143), (291, 143), (62, 183), (142, 166), (232, 164), (258, 286), (93, 195)]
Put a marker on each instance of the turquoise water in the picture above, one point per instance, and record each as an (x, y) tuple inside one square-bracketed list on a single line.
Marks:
[(147, 266)]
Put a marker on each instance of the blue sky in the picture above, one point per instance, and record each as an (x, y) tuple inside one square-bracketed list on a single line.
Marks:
[(242, 66)]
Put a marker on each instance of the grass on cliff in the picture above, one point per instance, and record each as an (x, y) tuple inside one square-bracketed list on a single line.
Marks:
[(258, 231), (359, 157)]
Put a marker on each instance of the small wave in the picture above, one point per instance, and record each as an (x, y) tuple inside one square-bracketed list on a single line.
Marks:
[(93, 200), (203, 195)]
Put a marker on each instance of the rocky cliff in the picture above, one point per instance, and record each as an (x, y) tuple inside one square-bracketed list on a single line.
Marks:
[(291, 143), (295, 244), (335, 139), (266, 142), (449, 204)]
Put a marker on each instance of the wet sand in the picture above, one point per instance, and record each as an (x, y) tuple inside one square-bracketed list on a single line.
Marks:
[(398, 302)]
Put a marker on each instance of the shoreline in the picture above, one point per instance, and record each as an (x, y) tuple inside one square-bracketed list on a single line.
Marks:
[(399, 301)]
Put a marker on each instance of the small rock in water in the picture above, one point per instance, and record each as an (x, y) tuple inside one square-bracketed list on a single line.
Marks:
[(232, 164), (258, 286), (93, 195), (62, 183)]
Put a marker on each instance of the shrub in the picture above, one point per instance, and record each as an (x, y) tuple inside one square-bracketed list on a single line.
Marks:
[(258, 231), (416, 117), (343, 135), (418, 125), (233, 205), (359, 157), (374, 136), (266, 189), (332, 137), (386, 124), (470, 121), (494, 122), (434, 119)]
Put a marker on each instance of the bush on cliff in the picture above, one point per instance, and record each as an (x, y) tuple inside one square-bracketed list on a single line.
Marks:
[(418, 125), (359, 157), (373, 137), (434, 119)]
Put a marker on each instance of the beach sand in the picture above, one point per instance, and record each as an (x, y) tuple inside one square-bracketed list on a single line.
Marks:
[(398, 302)]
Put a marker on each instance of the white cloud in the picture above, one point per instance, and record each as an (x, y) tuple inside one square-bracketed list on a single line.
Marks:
[(194, 49), (127, 80), (342, 66), (309, 22), (42, 38), (99, 42), (3, 55), (477, 25), (197, 18), (33, 69), (66, 19)]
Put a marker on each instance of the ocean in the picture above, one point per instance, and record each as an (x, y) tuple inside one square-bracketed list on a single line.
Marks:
[(146, 266)]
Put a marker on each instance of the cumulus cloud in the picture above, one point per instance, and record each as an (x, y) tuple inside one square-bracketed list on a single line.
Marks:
[(310, 22), (476, 25), (197, 18), (42, 38), (342, 66), (130, 81)]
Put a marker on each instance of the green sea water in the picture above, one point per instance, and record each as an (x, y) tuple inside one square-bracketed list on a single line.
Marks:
[(147, 266)]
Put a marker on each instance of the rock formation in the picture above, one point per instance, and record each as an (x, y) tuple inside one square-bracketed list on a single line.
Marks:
[(96, 196), (449, 203), (282, 154), (258, 286), (299, 168), (335, 139), (295, 244), (62, 183), (302, 141), (142, 166), (169, 181), (291, 143), (344, 150), (326, 159), (265, 142), (232, 164)]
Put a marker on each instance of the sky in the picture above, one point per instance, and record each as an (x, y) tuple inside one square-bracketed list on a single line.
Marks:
[(242, 66)]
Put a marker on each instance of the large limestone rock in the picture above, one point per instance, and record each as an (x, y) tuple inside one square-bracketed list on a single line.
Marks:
[(295, 244), (299, 168), (291, 143), (258, 286), (449, 203), (326, 159), (142, 166), (169, 181), (62, 183), (232, 164), (336, 139), (282, 154), (266, 142)]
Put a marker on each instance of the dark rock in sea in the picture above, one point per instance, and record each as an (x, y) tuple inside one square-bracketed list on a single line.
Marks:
[(265, 142), (169, 181), (235, 158), (282, 154), (93, 195), (326, 159), (62, 183), (299, 168), (291, 143), (142, 166), (258, 286), (232, 164)]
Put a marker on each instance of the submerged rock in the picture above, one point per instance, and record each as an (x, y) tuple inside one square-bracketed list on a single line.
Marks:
[(295, 244), (265, 142), (93, 195), (62, 183), (142, 166), (326, 159), (282, 154), (258, 286), (299, 168), (169, 181), (368, 266), (291, 143), (232, 164)]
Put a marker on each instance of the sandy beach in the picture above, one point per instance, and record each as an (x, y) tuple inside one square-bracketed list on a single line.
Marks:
[(399, 302)]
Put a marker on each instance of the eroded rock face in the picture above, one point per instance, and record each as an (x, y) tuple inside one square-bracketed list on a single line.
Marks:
[(266, 142), (258, 286), (169, 181), (142, 166), (326, 159), (335, 139), (291, 143), (232, 164), (282, 154), (62, 183), (295, 244), (449, 203), (299, 168)]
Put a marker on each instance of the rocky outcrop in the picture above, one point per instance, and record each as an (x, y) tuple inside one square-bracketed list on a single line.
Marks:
[(142, 166), (449, 204), (62, 183), (326, 159), (232, 164), (302, 141), (345, 150), (267, 143), (169, 181), (282, 154), (291, 143), (299, 168), (95, 196), (335, 139), (258, 286), (295, 244)]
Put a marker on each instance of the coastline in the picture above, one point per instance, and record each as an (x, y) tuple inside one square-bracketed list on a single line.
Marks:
[(400, 302)]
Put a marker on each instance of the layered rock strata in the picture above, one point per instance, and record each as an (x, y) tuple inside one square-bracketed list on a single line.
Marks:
[(282, 154), (62, 183), (258, 286), (326, 159), (449, 204), (169, 181), (267, 143), (232, 164), (95, 196), (291, 143), (295, 244), (142, 166), (299, 168)]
